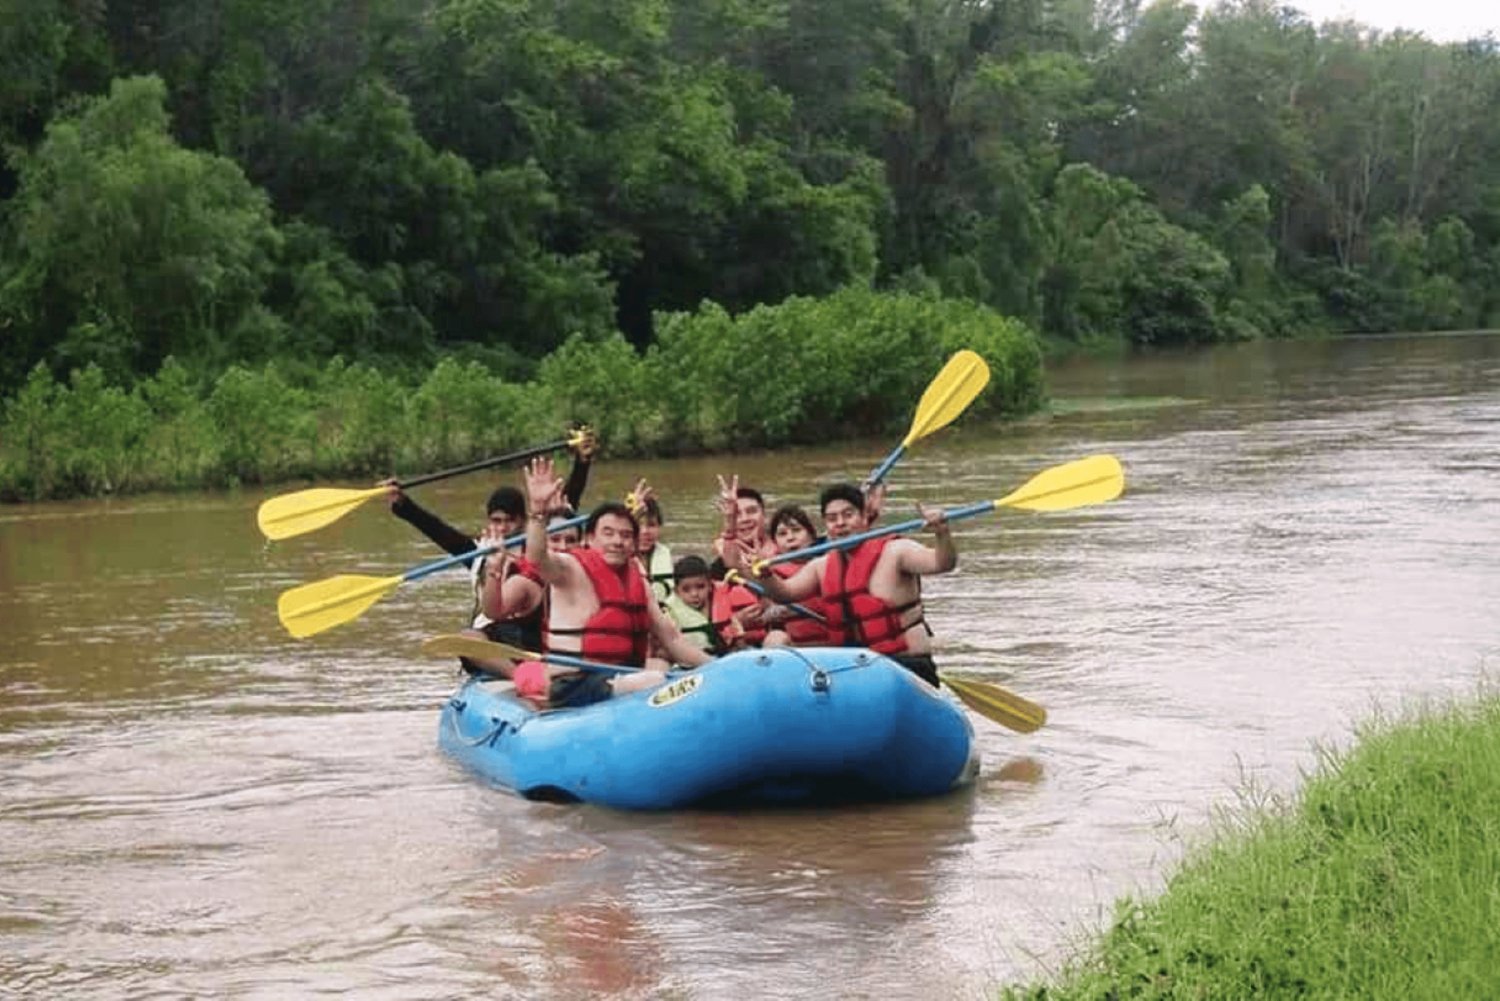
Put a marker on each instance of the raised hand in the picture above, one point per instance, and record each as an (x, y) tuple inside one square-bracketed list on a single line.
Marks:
[(492, 535), (587, 443), (543, 486), (728, 501), (935, 518), (636, 499), (737, 556)]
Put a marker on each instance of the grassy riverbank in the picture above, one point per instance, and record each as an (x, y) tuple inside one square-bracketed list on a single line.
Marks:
[(807, 369), (1379, 882)]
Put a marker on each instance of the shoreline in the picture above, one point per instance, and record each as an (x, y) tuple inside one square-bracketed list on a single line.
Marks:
[(1374, 880)]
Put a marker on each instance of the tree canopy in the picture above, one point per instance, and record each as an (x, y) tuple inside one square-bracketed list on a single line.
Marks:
[(235, 181)]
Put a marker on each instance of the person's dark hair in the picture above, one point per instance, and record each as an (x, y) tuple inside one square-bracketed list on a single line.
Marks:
[(508, 500), (841, 491), (610, 507), (688, 567), (652, 510), (792, 512), (750, 493)]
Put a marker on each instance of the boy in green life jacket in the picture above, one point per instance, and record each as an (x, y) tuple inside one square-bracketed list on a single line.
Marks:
[(688, 605)]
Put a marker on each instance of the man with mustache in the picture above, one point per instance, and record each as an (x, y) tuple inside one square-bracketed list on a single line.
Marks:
[(600, 605)]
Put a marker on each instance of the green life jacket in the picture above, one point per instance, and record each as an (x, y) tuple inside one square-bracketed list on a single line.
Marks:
[(695, 625), (659, 573)]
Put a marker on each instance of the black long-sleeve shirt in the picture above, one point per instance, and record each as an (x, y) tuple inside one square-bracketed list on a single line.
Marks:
[(455, 543)]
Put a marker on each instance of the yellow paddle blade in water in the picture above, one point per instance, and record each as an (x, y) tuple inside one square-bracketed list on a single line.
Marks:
[(306, 510), (1094, 480), (311, 608), (997, 704), (949, 394), (477, 648)]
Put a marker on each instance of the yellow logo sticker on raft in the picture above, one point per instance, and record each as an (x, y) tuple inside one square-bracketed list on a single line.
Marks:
[(679, 689)]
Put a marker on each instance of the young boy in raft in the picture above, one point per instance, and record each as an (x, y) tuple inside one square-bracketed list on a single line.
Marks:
[(688, 605)]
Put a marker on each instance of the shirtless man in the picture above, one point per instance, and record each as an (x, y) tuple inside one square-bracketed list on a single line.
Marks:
[(600, 607), (872, 592)]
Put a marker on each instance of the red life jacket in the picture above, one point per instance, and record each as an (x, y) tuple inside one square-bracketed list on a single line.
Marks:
[(523, 630), (802, 630), (856, 616), (523, 566), (726, 600), (619, 631)]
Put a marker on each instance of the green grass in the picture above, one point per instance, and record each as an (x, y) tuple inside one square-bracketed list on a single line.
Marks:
[(1381, 881)]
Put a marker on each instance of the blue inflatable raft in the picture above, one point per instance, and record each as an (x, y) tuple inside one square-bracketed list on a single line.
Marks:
[(777, 726)]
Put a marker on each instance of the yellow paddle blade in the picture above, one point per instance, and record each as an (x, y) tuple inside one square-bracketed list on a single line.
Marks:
[(997, 704), (311, 608), (306, 510), (455, 645), (950, 393), (1094, 480)]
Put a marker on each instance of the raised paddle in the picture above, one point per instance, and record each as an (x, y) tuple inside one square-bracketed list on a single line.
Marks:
[(1094, 480), (990, 701), (305, 511), (947, 396), (309, 609), (455, 645)]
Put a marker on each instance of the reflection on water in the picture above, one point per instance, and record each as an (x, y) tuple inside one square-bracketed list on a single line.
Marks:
[(193, 803)]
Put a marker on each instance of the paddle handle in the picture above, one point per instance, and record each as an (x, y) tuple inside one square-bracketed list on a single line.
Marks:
[(952, 514), (416, 573), (760, 589), (497, 460)]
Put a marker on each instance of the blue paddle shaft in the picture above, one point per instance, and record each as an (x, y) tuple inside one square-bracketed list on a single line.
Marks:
[(886, 466), (952, 514), (515, 540), (802, 610)]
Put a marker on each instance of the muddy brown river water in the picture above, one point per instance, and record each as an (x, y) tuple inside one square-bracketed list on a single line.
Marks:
[(193, 804)]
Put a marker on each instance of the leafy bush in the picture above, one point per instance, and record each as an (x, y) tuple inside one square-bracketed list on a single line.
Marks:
[(461, 411), (83, 438), (601, 382), (260, 420), (806, 369)]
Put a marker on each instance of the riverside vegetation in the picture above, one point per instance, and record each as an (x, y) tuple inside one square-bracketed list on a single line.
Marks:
[(776, 374), (1379, 882)]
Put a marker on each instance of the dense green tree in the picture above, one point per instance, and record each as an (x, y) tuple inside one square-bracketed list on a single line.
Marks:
[(125, 247), (1120, 269), (465, 250), (33, 44), (488, 179), (666, 188)]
